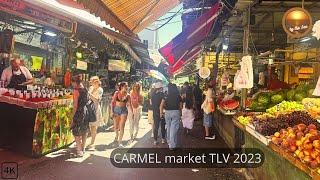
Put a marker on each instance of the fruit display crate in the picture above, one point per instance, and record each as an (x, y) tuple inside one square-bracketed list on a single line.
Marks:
[(251, 130), (313, 173), (227, 112)]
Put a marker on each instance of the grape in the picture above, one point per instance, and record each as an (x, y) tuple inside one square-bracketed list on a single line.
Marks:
[(270, 125)]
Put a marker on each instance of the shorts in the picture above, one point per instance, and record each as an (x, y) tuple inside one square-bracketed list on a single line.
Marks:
[(207, 120), (118, 111)]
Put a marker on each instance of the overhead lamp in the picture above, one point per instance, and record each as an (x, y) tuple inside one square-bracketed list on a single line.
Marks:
[(49, 33), (225, 47)]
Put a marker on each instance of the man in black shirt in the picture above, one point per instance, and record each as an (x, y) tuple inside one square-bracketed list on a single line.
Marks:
[(156, 100)]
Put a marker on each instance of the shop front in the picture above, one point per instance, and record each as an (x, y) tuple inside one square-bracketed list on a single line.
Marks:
[(35, 120), (275, 105)]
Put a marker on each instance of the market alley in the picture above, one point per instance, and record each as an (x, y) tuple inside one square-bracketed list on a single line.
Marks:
[(63, 165)]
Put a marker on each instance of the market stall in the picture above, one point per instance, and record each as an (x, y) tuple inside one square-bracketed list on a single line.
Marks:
[(35, 126)]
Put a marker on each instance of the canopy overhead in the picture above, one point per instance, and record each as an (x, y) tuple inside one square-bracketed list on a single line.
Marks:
[(129, 16), (185, 45)]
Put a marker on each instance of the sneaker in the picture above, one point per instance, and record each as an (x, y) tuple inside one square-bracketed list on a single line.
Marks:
[(210, 137), (163, 141), (155, 143)]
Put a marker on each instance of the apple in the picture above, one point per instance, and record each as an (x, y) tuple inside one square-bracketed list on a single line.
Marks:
[(299, 143), (301, 155), (292, 148), (312, 126), (290, 130), (300, 135), (313, 132), (306, 152), (318, 159), (316, 144), (307, 146), (283, 131), (295, 127), (292, 135), (314, 137), (285, 143), (277, 134), (301, 127), (314, 164), (314, 154), (307, 159)]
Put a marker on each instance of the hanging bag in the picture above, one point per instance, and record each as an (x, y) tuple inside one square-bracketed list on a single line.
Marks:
[(91, 114)]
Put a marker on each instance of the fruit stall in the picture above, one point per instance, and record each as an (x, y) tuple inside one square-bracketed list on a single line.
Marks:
[(224, 125), (35, 126), (285, 126)]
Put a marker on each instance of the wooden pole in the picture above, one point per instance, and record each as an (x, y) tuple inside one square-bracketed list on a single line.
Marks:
[(245, 52)]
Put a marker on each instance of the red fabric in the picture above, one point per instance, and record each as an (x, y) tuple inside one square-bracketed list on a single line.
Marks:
[(189, 38), (275, 84), (67, 79)]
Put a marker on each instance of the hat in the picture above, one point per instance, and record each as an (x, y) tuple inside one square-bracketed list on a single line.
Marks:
[(158, 85), (95, 79)]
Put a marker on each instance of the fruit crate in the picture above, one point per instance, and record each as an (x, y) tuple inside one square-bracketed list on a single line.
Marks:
[(313, 173), (264, 139)]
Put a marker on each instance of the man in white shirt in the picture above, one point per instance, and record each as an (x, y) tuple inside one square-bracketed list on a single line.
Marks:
[(16, 76)]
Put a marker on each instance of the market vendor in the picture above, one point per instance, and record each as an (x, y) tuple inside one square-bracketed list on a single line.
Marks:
[(275, 83), (229, 94), (16, 76)]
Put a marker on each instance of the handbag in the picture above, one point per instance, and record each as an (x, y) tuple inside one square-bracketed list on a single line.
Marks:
[(91, 113)]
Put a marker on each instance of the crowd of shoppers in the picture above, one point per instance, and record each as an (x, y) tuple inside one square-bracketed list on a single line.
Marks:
[(166, 110)]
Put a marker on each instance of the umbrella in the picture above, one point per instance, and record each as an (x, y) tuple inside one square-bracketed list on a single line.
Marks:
[(158, 75)]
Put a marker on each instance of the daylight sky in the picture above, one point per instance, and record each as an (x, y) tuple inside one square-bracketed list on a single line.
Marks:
[(173, 28)]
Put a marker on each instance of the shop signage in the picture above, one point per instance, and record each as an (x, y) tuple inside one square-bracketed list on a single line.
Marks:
[(297, 23), (82, 65), (38, 15), (118, 65), (36, 63)]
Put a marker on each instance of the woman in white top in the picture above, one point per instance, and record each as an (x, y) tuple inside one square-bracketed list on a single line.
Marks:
[(95, 92), (187, 111)]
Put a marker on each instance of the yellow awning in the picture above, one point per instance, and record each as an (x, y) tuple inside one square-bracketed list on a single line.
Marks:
[(129, 16)]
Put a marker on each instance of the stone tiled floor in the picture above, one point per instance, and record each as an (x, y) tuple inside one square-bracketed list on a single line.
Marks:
[(96, 163)]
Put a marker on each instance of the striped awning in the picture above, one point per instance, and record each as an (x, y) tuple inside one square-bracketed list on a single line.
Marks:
[(186, 45), (129, 16)]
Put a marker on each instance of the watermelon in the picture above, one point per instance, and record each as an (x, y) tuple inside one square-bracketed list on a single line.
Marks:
[(278, 98), (299, 96), (230, 104), (264, 99), (290, 95)]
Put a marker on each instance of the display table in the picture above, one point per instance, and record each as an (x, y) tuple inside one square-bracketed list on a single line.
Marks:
[(227, 130), (35, 131), (278, 164)]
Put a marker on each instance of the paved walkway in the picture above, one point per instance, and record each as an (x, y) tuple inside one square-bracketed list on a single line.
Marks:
[(96, 164)]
